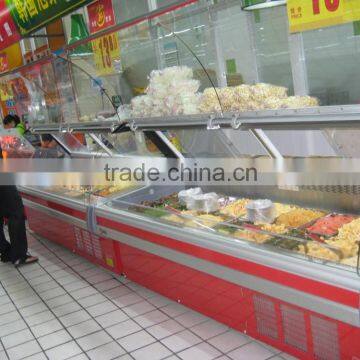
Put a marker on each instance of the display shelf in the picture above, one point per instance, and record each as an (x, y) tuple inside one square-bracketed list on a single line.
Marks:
[(307, 118), (96, 126)]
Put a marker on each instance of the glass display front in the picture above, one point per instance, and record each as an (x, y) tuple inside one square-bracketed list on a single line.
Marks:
[(320, 235)]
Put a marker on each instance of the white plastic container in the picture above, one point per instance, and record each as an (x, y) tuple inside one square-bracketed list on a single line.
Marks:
[(206, 203), (184, 195), (261, 211)]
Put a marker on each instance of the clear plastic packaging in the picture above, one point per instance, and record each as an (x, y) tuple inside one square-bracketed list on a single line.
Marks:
[(206, 203), (261, 211), (184, 195)]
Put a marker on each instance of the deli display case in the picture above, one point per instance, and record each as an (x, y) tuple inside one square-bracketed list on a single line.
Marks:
[(277, 261)]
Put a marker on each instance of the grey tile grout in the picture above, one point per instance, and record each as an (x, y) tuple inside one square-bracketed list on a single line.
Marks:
[(25, 323), (116, 340), (50, 309)]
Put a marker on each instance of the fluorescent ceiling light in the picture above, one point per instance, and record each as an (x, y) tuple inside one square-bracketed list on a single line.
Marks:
[(249, 5)]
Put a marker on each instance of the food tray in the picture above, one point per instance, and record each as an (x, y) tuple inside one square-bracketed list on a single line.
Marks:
[(326, 235)]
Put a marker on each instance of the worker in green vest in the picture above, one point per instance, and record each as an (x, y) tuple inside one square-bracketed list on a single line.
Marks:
[(14, 122)]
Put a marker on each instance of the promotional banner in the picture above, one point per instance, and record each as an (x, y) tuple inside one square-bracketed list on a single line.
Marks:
[(8, 31), (30, 15), (316, 14), (106, 48)]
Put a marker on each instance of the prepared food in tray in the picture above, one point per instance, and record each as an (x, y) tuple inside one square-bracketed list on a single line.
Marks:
[(312, 232)]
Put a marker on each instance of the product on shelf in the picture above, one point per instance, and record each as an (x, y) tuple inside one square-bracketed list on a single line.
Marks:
[(298, 217), (252, 97), (259, 238), (329, 225), (236, 209), (283, 208), (348, 238), (316, 250), (171, 91), (274, 228), (204, 220)]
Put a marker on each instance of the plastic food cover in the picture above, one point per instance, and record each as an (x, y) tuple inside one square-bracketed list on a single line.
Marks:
[(14, 145), (261, 211), (184, 195), (206, 203)]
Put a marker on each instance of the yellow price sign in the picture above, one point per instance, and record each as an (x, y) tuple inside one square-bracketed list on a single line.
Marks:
[(106, 50), (315, 14)]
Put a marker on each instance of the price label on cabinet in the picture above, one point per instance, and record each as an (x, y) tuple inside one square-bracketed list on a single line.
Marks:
[(106, 51), (316, 14)]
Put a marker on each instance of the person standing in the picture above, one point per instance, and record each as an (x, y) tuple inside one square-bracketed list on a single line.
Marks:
[(12, 208)]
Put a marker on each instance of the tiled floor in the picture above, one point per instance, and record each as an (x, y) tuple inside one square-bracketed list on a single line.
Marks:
[(67, 308)]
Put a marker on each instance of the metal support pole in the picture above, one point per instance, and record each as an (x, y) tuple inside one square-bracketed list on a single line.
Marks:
[(266, 143)]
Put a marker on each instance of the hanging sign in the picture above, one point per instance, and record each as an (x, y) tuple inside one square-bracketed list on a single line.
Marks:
[(8, 32), (316, 14), (106, 48), (4, 64), (30, 15)]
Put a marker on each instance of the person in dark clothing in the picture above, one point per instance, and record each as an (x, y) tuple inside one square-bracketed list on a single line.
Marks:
[(12, 208)]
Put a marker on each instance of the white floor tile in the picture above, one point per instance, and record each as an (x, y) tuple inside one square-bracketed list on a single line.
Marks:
[(123, 329), (117, 292), (33, 309), (54, 339), (127, 300), (17, 338), (159, 301), (64, 351), (165, 329), (107, 285), (154, 351), (252, 350), (83, 292), (11, 289), (174, 309), (209, 329), (39, 356), (229, 341), (66, 309), (59, 301), (112, 318), (76, 285), (181, 341), (201, 351), (6, 308), (46, 328), (24, 350), (52, 293), (39, 318), (138, 309), (151, 318), (106, 352), (9, 317), (191, 318), (98, 278), (4, 300), (68, 279), (79, 357), (84, 328), (94, 340), (45, 286), (74, 318), (40, 280), (28, 301), (22, 294), (15, 327), (3, 355), (92, 300), (135, 341), (102, 308)]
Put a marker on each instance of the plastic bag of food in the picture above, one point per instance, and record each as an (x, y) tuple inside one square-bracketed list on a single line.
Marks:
[(184, 195), (261, 211), (206, 203)]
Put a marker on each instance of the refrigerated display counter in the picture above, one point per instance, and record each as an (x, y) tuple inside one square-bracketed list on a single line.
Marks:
[(293, 284)]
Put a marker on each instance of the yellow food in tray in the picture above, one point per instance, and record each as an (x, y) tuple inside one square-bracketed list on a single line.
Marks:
[(283, 208), (298, 217), (347, 238), (314, 249), (236, 209), (252, 236), (274, 228), (350, 261), (207, 220)]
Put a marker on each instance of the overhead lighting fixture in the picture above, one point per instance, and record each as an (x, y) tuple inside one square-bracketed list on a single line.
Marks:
[(249, 5)]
